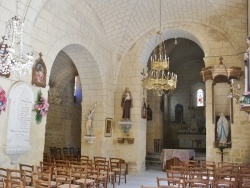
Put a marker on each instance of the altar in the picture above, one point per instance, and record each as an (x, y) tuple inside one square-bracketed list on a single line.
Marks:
[(174, 157)]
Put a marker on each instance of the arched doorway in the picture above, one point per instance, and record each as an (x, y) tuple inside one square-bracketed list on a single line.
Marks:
[(63, 128), (186, 60)]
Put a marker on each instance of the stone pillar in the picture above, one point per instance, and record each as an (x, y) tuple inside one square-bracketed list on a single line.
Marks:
[(166, 123)]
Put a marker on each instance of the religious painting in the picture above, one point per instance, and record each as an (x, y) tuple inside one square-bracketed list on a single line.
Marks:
[(223, 131), (39, 72), (108, 127)]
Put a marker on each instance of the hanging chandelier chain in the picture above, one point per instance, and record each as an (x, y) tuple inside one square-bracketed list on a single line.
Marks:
[(160, 16), (159, 79), (18, 8), (12, 58)]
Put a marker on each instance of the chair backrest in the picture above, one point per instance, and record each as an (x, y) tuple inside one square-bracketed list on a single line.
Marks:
[(162, 182), (220, 164), (197, 173), (4, 173), (65, 151), (196, 182), (72, 151), (114, 163), (190, 163), (52, 150), (77, 171), (28, 172), (84, 157), (62, 176), (103, 167), (17, 176), (222, 183), (41, 179), (7, 183)]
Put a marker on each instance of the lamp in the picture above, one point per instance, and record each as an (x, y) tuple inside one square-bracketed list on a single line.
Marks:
[(159, 79), (234, 91), (11, 49)]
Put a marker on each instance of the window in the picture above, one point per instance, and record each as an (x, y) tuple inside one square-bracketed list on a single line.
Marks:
[(200, 97), (77, 91)]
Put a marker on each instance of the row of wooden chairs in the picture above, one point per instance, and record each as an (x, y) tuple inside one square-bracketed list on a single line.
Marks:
[(207, 173), (65, 151), (113, 168)]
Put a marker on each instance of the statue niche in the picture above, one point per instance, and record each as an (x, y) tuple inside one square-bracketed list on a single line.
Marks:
[(179, 113)]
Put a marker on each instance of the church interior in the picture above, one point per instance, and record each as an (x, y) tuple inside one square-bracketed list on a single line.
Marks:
[(67, 95)]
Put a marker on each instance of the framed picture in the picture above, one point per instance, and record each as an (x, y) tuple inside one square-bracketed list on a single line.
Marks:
[(108, 127), (39, 72)]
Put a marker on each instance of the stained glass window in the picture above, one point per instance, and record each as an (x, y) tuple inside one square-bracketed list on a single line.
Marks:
[(200, 97)]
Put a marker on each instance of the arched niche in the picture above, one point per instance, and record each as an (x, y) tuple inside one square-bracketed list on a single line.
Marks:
[(221, 103)]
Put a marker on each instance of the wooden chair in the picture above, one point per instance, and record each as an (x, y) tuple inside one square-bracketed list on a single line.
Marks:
[(196, 182), (52, 150), (17, 176), (99, 177), (117, 166), (80, 175), (246, 183), (220, 164), (190, 163), (99, 159), (210, 166), (104, 168), (84, 157), (47, 170), (242, 177), (41, 179), (222, 183), (64, 179), (163, 183), (65, 151), (175, 177), (72, 151), (7, 183), (4, 174), (28, 172)]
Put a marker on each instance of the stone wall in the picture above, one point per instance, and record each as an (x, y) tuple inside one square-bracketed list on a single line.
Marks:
[(63, 128)]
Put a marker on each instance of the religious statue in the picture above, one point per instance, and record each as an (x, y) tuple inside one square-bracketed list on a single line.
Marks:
[(247, 67), (89, 124), (126, 104), (144, 109), (222, 129), (149, 113)]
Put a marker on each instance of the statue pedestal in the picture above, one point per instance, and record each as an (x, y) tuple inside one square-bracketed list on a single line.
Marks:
[(89, 138)]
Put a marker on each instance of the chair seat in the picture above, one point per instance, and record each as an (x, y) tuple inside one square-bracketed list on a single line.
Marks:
[(118, 170), (69, 186), (52, 184), (82, 181), (101, 176)]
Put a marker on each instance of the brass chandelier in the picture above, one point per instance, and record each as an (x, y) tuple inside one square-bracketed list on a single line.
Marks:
[(159, 79)]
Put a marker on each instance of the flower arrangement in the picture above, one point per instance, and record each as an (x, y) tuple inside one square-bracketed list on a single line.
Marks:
[(222, 146), (3, 100), (41, 107)]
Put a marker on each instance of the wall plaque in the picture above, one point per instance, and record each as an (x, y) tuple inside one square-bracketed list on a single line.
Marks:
[(21, 101)]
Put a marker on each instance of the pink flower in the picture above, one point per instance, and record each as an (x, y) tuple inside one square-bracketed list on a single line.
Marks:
[(3, 100)]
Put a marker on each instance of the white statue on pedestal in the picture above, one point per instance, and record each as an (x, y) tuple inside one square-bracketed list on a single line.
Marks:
[(89, 124)]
